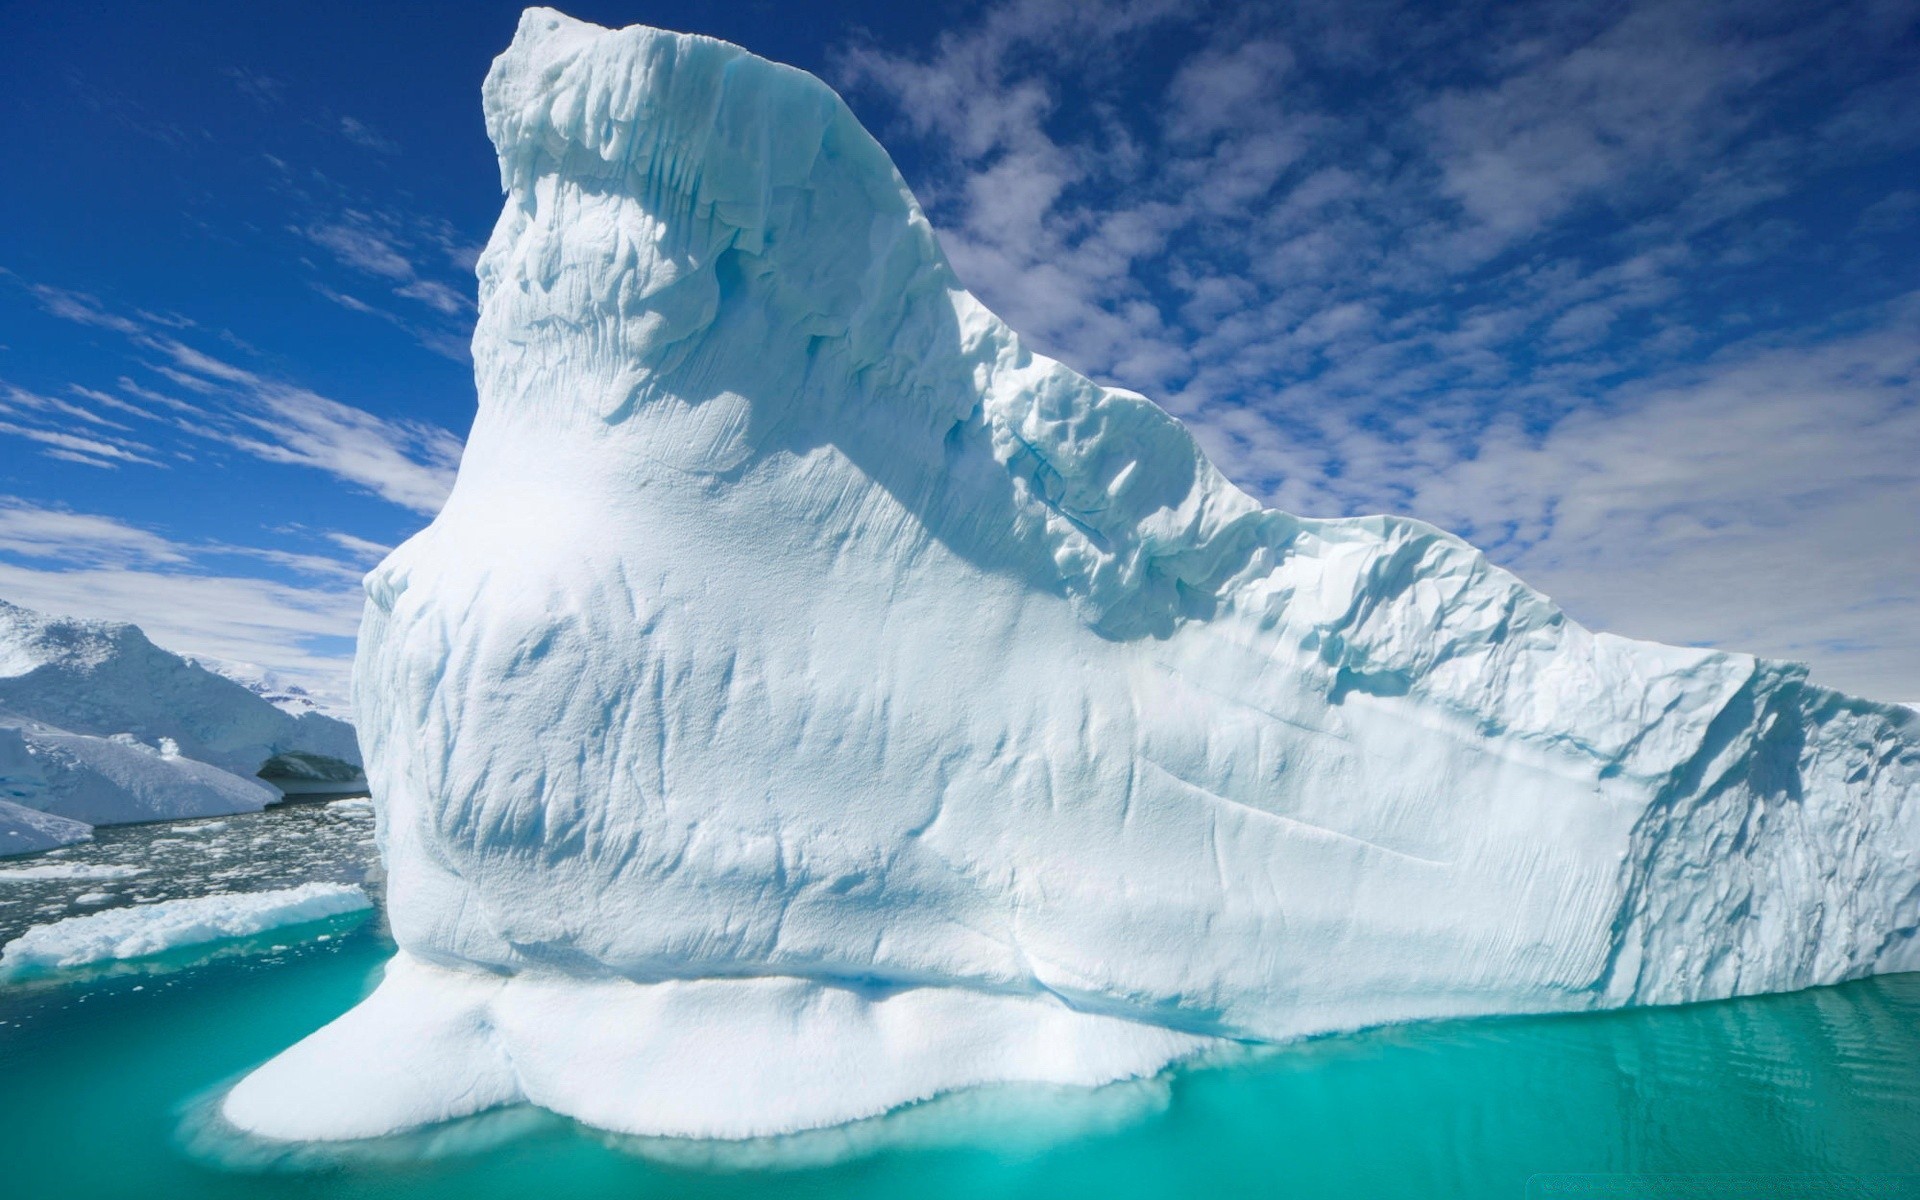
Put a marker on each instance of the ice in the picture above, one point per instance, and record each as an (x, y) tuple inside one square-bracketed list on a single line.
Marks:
[(24, 830), (810, 699), (99, 725), (87, 871), (144, 931), (269, 685), (695, 1058)]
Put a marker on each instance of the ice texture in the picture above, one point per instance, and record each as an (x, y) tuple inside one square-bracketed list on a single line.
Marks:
[(146, 930), (269, 685), (99, 725), (86, 871), (26, 830), (811, 700)]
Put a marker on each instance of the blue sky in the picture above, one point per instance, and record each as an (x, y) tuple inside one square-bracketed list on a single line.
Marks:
[(1627, 293)]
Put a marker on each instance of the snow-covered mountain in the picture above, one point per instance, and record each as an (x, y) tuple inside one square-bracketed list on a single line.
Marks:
[(269, 685), (810, 699), (99, 726)]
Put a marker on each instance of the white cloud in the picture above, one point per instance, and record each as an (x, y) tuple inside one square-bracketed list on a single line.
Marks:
[(361, 548), (1214, 90), (360, 134), (410, 463), (90, 565), (80, 308), (435, 295), (395, 248), (362, 249), (72, 447), (1768, 501), (36, 531), (224, 616), (1664, 88), (1377, 264)]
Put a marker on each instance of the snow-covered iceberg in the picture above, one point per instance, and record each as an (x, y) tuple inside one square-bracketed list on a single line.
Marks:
[(99, 726), (810, 699), (26, 830)]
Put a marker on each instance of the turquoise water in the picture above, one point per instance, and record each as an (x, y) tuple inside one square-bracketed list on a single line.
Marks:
[(101, 1083), (96, 1084)]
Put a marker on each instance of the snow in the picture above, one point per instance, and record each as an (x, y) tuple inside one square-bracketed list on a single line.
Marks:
[(271, 686), (114, 780), (694, 1058), (99, 725), (810, 699), (26, 830), (143, 931)]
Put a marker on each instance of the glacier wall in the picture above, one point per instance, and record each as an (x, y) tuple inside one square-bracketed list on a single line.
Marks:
[(810, 699)]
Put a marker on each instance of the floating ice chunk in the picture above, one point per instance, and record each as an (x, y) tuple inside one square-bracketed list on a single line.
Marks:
[(145, 931), (92, 872)]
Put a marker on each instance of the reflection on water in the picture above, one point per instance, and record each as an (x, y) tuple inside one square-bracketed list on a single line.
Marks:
[(107, 1085)]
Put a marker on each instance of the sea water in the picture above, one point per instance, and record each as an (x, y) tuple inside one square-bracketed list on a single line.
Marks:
[(106, 1086)]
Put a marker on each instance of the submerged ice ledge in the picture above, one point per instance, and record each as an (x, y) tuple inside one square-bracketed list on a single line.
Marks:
[(701, 1058), (790, 623)]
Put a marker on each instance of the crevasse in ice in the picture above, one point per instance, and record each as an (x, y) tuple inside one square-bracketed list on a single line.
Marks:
[(811, 700)]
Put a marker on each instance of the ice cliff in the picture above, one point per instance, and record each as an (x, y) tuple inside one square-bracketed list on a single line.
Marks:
[(98, 726), (810, 699)]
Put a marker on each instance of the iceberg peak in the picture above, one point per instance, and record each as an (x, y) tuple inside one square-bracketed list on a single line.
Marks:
[(810, 699)]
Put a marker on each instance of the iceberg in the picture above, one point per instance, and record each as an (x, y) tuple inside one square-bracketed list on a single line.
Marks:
[(87, 871), (101, 727), (810, 700), (26, 830), (147, 931)]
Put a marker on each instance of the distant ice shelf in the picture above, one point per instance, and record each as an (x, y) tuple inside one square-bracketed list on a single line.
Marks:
[(810, 699)]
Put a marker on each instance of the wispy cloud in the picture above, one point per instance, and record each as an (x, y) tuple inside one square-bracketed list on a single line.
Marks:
[(1390, 257), (41, 532), (402, 254), (410, 463), (263, 89), (74, 563), (361, 548), (80, 308), (361, 248), (362, 135), (92, 451)]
